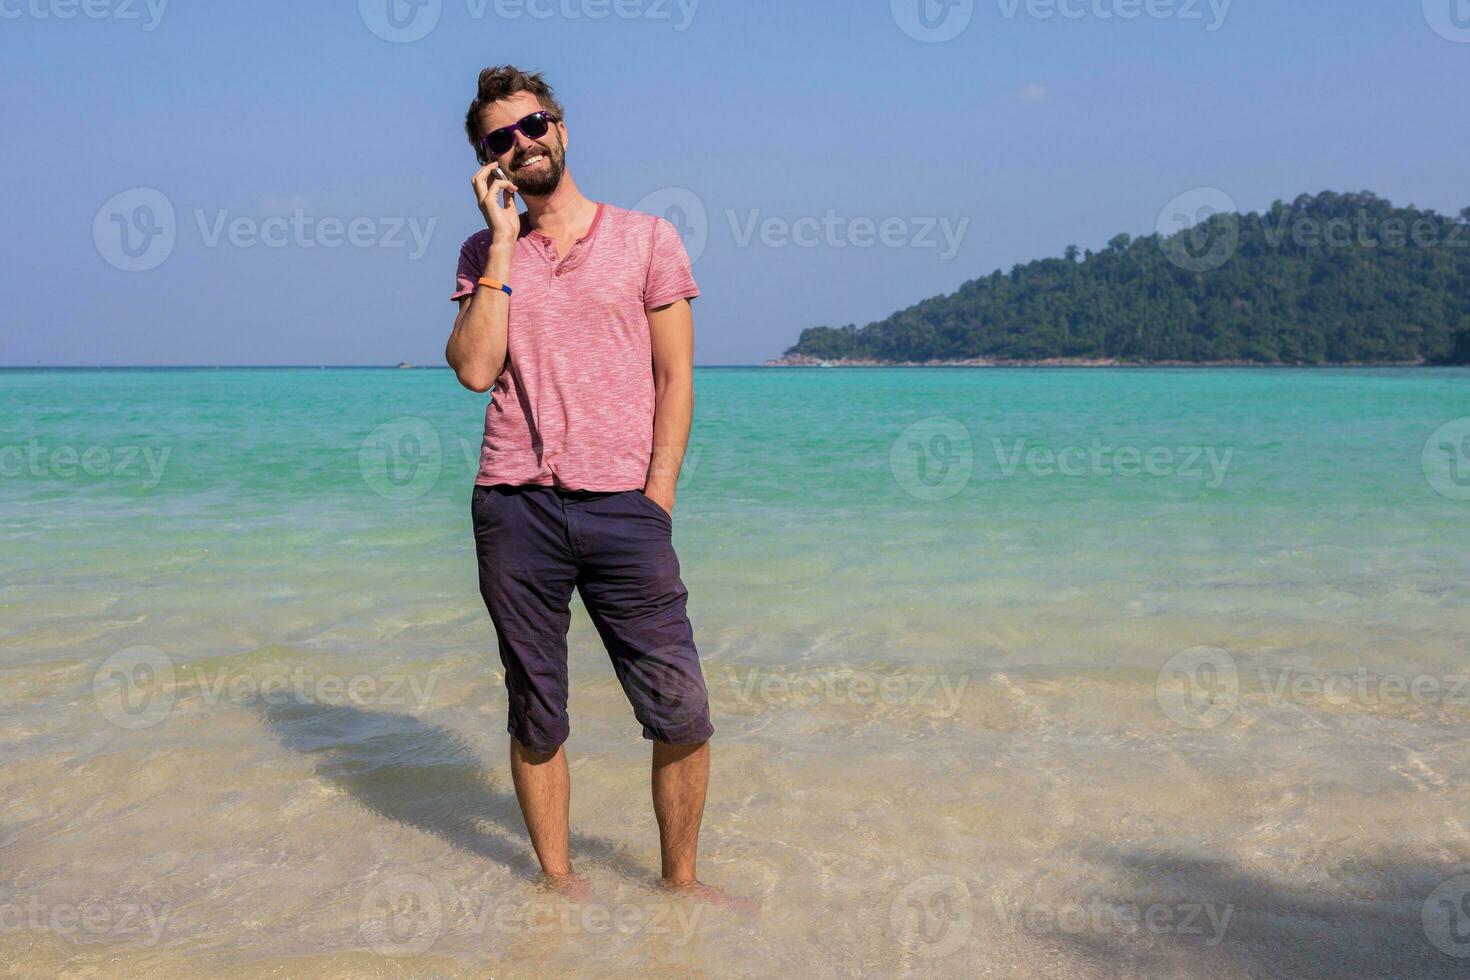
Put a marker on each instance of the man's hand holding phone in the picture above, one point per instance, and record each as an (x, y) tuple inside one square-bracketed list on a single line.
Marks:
[(496, 195), (478, 347)]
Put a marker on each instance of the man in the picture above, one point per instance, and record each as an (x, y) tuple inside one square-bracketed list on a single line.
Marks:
[(577, 315)]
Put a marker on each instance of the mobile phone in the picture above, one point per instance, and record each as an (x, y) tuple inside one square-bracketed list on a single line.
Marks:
[(510, 196), (497, 174)]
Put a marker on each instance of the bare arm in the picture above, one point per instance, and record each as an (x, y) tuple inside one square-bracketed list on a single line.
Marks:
[(476, 348), (671, 329), (477, 345)]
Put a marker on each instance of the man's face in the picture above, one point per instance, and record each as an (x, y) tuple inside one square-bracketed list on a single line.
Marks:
[(534, 166)]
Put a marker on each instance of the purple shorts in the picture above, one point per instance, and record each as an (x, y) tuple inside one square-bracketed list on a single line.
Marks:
[(535, 544)]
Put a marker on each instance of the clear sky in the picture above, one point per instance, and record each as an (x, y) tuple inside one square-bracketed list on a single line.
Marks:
[(830, 161)]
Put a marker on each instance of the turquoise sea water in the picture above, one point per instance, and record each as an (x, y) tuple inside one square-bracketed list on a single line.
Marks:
[(985, 646)]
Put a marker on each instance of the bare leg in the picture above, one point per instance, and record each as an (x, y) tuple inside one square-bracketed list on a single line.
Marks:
[(544, 789), (680, 778)]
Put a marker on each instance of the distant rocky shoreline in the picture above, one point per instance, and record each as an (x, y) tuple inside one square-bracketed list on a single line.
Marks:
[(803, 360), (1269, 291)]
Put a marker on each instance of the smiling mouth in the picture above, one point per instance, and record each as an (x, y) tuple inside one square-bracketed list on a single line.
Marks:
[(530, 160)]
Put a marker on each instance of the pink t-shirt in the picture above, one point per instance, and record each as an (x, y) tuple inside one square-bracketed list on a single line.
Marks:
[(574, 406)]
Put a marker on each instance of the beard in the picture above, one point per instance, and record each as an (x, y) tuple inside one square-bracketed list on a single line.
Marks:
[(543, 178)]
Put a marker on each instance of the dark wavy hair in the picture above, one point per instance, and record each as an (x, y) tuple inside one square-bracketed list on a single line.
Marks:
[(502, 81)]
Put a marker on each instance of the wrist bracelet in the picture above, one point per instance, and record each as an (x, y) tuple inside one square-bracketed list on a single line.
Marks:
[(495, 284)]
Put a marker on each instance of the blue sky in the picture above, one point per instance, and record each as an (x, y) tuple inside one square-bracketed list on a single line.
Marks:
[(830, 162)]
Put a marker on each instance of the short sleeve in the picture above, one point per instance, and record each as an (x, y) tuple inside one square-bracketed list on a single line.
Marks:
[(471, 264), (669, 275)]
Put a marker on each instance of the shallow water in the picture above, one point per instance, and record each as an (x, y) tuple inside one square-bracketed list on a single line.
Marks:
[(1082, 673)]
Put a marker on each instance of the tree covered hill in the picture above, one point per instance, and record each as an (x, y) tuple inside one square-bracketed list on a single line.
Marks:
[(1326, 279)]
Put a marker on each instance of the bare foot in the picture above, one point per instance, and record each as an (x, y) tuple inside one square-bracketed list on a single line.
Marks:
[(569, 884), (712, 894)]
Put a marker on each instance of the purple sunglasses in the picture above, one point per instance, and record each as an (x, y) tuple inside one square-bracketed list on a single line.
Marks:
[(497, 141)]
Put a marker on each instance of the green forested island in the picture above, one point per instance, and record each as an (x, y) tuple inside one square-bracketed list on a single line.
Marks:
[(1325, 279)]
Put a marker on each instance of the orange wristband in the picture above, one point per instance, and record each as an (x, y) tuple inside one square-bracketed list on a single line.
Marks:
[(495, 284)]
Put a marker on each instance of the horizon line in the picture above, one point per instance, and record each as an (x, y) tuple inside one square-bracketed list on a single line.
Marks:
[(265, 367)]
